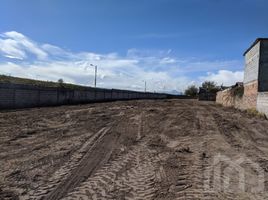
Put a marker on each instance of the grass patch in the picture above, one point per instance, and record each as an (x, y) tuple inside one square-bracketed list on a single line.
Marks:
[(26, 81), (254, 113)]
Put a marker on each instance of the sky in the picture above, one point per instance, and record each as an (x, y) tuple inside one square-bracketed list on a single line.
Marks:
[(170, 44)]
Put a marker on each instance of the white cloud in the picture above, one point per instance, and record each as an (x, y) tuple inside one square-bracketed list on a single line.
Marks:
[(16, 45), (11, 49), (161, 70), (224, 77), (167, 60)]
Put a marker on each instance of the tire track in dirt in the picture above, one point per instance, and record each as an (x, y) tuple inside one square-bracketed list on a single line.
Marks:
[(129, 176), (78, 166), (181, 171), (102, 182), (210, 180), (100, 153), (141, 178), (227, 126), (190, 182), (93, 153), (192, 159)]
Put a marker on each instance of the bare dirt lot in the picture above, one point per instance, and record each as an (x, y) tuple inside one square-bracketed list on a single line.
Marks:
[(147, 149)]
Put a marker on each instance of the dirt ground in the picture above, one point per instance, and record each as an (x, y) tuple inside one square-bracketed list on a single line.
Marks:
[(147, 149)]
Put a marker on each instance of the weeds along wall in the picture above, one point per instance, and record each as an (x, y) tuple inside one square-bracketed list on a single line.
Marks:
[(24, 96)]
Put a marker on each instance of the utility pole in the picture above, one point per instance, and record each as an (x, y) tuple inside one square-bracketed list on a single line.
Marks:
[(95, 82), (145, 86), (96, 69)]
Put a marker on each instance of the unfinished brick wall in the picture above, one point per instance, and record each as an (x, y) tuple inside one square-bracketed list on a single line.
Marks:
[(251, 82), (228, 98), (250, 95)]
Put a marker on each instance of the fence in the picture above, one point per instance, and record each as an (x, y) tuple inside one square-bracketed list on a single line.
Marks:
[(25, 96)]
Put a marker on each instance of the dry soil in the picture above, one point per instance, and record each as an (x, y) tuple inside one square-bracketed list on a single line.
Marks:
[(147, 149)]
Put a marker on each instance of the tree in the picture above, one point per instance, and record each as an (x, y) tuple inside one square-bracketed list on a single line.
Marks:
[(192, 91), (210, 86), (60, 81)]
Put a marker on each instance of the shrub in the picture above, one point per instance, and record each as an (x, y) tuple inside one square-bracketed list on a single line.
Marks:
[(238, 91), (192, 91)]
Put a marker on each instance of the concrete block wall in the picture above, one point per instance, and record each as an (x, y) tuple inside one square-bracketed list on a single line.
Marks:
[(46, 97), (100, 95), (121, 95), (251, 76), (24, 96), (79, 96), (252, 58), (7, 97), (108, 95), (262, 102), (64, 96), (115, 94)]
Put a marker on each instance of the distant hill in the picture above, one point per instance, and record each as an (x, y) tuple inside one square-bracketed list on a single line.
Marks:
[(26, 81)]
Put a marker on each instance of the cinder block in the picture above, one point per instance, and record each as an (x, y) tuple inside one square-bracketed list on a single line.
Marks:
[(7, 98)]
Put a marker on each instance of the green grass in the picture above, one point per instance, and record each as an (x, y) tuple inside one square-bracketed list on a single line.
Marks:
[(26, 81), (254, 113)]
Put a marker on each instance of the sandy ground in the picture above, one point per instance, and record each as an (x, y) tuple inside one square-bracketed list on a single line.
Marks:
[(162, 149)]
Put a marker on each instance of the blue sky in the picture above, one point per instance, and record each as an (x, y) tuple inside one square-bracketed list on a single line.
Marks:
[(169, 43)]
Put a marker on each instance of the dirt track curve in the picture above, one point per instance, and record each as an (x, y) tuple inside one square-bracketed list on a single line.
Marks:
[(147, 149)]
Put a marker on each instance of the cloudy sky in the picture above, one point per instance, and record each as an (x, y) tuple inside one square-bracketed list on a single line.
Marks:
[(169, 43)]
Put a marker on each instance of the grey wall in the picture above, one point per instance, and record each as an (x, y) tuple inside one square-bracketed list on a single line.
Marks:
[(252, 64), (263, 70), (262, 102), (23, 96)]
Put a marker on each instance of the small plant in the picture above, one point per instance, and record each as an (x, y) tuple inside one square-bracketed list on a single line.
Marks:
[(254, 113), (219, 104), (238, 91)]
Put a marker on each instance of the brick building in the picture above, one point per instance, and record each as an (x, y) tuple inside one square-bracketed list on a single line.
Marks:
[(255, 79), (256, 76)]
